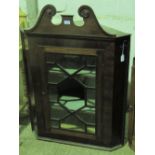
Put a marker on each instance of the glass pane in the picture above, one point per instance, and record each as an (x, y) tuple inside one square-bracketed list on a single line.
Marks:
[(87, 114), (57, 111), (91, 94), (72, 92), (91, 129), (53, 93), (71, 87), (55, 74), (72, 123), (71, 63), (90, 102), (74, 105), (87, 77)]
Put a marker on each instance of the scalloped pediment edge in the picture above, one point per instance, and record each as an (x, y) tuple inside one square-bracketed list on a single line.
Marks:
[(91, 26)]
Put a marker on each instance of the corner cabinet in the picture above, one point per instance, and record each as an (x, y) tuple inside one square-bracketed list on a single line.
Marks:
[(77, 79)]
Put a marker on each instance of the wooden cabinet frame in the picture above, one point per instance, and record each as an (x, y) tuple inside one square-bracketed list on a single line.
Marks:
[(109, 46)]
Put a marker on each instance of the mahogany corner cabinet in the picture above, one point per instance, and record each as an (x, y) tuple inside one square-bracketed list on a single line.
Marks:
[(77, 79)]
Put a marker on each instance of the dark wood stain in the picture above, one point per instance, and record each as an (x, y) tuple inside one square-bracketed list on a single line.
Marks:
[(111, 77)]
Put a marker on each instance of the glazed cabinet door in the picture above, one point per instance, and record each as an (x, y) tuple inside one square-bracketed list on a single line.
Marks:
[(68, 83)]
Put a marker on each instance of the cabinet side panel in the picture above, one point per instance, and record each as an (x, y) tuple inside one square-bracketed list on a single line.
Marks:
[(33, 60), (120, 89)]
